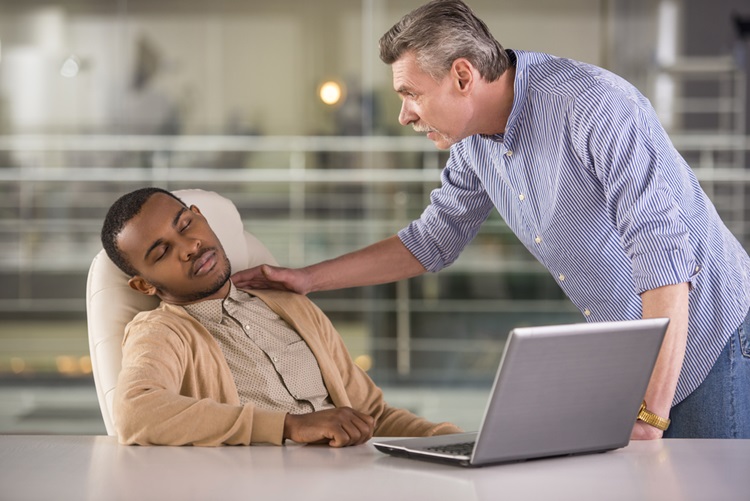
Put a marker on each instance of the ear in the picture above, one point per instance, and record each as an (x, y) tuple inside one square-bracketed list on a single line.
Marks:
[(464, 75), (140, 284), (195, 209)]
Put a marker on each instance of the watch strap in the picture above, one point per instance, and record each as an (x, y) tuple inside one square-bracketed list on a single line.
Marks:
[(652, 419)]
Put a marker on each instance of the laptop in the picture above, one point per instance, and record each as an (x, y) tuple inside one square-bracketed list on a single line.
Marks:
[(559, 390)]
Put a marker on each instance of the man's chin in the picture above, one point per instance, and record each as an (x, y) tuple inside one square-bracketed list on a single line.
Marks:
[(443, 143), (183, 297), (220, 282)]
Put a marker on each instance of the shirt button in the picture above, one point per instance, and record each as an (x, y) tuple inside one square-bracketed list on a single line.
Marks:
[(586, 312), (521, 197), (561, 277), (538, 240), (275, 359), (247, 327), (509, 153), (697, 269)]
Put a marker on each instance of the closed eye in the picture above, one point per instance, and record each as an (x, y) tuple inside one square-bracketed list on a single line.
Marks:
[(164, 249), (185, 225)]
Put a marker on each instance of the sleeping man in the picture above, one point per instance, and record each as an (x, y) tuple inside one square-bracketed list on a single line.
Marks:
[(217, 365)]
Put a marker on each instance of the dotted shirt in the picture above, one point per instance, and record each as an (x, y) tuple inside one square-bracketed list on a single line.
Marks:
[(271, 364)]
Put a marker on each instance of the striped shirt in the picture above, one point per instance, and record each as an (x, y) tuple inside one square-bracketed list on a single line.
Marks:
[(588, 180)]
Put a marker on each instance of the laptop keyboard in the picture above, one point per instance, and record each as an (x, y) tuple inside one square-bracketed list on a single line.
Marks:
[(462, 449)]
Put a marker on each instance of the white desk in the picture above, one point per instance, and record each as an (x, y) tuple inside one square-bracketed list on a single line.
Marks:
[(98, 469)]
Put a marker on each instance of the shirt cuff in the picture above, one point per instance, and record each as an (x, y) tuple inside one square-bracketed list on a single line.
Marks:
[(651, 271), (412, 239), (268, 427)]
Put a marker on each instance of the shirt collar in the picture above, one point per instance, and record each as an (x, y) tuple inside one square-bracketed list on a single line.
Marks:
[(519, 60), (212, 310), (520, 86)]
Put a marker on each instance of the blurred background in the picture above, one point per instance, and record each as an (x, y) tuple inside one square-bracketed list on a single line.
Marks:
[(285, 108)]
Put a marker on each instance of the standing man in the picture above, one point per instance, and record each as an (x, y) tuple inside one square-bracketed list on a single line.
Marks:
[(575, 160)]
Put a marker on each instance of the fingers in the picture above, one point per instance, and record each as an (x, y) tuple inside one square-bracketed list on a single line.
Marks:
[(244, 278), (255, 278), (366, 426), (266, 276), (354, 428), (338, 427)]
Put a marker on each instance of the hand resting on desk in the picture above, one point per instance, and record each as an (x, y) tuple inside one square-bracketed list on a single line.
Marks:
[(338, 427)]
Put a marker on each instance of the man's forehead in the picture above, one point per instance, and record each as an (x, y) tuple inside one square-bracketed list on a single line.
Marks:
[(402, 63), (407, 74), (157, 214), (159, 209), (163, 199)]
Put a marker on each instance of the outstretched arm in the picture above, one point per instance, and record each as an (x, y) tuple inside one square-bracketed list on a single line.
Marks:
[(383, 262)]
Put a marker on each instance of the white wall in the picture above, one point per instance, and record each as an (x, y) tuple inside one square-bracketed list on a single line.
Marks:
[(229, 67)]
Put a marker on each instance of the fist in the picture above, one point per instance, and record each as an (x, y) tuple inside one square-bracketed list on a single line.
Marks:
[(338, 427)]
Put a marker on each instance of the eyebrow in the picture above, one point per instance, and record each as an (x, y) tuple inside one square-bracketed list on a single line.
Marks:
[(161, 240)]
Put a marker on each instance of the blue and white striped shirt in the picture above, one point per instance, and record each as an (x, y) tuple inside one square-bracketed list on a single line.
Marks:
[(589, 181)]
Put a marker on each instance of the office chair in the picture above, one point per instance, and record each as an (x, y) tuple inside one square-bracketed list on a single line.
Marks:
[(111, 303)]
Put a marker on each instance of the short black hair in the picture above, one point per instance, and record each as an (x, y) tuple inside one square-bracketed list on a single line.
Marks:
[(123, 210)]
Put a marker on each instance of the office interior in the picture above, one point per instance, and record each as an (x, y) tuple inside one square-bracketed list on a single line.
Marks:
[(284, 108)]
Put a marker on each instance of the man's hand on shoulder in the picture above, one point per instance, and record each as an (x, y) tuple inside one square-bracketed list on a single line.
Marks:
[(337, 427), (266, 276)]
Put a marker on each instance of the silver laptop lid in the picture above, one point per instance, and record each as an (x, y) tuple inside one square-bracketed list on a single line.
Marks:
[(568, 389)]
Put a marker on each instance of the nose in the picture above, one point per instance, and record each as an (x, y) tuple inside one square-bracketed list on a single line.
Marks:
[(189, 248), (407, 114)]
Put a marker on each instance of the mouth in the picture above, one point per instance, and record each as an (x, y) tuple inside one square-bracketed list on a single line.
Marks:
[(431, 133), (204, 263)]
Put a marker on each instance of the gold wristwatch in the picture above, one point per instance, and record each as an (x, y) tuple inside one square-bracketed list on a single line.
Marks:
[(652, 419)]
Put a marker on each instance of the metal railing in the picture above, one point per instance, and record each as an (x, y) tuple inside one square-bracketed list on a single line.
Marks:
[(55, 189)]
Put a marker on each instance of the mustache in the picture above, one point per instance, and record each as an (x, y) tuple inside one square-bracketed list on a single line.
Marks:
[(419, 127)]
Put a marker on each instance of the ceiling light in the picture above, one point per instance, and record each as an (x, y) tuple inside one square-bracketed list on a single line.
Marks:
[(70, 67), (331, 92)]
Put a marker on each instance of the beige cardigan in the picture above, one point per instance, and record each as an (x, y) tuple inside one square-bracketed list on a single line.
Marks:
[(175, 387)]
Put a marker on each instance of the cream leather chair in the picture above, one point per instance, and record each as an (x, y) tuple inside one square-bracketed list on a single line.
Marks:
[(111, 303)]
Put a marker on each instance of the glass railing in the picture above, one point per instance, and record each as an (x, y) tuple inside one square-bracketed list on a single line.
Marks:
[(307, 199)]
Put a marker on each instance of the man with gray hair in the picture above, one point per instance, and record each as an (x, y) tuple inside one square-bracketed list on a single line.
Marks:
[(577, 163)]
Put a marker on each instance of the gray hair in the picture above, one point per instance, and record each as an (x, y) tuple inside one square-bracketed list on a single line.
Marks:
[(440, 32)]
